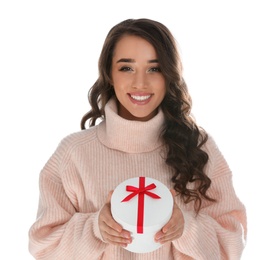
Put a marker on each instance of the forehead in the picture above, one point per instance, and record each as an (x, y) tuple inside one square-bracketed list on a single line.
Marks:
[(131, 46)]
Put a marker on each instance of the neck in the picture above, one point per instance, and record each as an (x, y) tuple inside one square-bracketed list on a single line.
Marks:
[(130, 136)]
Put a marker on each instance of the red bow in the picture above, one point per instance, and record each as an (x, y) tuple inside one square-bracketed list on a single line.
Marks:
[(141, 191)]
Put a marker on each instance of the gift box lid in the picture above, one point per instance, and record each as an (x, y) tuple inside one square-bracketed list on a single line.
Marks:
[(156, 211)]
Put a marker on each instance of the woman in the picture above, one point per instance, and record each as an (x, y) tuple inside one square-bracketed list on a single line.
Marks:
[(147, 130)]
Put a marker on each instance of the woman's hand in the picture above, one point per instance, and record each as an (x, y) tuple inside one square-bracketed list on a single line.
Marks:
[(111, 231), (175, 226)]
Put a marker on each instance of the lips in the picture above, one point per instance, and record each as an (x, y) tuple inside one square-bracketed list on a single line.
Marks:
[(140, 98)]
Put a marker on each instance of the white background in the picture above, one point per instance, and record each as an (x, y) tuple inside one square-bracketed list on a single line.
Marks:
[(48, 61)]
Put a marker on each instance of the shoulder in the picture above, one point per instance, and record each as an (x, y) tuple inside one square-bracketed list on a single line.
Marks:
[(209, 145), (212, 147), (217, 164), (78, 139), (67, 150), (71, 146)]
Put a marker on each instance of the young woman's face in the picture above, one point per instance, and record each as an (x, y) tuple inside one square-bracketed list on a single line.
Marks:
[(138, 82)]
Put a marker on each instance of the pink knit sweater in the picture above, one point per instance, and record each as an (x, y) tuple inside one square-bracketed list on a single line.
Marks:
[(76, 180)]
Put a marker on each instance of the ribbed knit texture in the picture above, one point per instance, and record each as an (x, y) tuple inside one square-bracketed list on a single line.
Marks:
[(76, 180)]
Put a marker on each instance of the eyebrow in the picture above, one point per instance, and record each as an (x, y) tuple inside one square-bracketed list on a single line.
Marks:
[(132, 60)]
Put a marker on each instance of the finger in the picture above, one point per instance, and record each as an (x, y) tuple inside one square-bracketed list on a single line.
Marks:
[(111, 225), (173, 226), (106, 219), (120, 237), (158, 236), (110, 221), (173, 192), (117, 239), (171, 223), (173, 233), (109, 196), (170, 230), (169, 226), (169, 237), (113, 232), (175, 220)]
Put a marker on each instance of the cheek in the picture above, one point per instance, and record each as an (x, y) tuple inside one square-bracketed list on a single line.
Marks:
[(162, 86), (160, 80), (118, 80)]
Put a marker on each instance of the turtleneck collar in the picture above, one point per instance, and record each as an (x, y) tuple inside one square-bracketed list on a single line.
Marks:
[(130, 136)]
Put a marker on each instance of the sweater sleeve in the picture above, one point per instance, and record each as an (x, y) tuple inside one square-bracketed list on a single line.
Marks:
[(219, 230), (60, 230)]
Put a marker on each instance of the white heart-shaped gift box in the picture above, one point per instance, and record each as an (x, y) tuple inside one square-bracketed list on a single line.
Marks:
[(142, 206)]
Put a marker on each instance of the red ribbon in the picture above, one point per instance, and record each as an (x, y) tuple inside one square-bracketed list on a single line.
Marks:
[(141, 191)]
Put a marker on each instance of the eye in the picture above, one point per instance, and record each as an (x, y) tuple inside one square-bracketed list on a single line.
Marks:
[(155, 69), (125, 68)]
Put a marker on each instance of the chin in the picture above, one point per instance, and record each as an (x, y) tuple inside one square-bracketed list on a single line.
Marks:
[(143, 117)]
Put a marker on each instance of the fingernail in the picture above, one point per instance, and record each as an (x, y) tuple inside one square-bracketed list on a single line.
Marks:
[(158, 238), (126, 235)]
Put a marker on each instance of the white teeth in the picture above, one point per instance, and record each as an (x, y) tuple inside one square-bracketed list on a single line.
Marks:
[(140, 98)]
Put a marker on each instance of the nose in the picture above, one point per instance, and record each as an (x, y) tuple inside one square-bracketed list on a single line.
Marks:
[(140, 80)]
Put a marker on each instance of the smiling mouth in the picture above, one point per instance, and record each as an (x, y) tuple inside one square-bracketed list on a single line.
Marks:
[(140, 98)]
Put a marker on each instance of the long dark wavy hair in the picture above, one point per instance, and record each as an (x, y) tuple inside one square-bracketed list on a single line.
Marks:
[(181, 134)]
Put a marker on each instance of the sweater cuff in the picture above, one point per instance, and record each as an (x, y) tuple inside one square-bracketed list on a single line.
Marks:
[(96, 228)]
